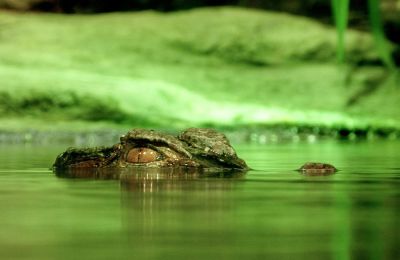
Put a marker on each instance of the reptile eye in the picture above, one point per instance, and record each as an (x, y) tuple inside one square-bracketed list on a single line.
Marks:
[(142, 155)]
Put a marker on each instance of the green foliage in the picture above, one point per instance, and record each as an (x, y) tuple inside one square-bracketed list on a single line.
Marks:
[(180, 69), (262, 38), (341, 10), (64, 104), (377, 31)]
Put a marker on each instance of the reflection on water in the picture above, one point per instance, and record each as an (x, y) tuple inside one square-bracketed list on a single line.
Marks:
[(154, 180), (146, 174), (271, 212)]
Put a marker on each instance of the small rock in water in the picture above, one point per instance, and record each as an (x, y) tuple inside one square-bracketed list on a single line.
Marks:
[(317, 169)]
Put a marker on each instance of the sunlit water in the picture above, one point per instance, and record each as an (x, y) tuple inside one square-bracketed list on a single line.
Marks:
[(272, 212)]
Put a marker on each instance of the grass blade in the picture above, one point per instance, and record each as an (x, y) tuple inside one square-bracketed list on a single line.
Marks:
[(378, 34), (341, 13)]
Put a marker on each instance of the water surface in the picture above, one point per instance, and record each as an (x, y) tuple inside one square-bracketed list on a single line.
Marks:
[(271, 212)]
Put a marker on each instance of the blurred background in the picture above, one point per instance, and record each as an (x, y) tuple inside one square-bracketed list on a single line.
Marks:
[(329, 67), (288, 82)]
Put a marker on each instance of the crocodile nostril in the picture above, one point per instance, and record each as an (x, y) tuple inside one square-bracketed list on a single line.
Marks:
[(142, 155)]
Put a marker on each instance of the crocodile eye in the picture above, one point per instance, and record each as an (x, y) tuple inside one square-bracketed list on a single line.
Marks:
[(142, 155)]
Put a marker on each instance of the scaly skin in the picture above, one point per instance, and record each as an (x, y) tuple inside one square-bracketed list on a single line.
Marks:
[(194, 148)]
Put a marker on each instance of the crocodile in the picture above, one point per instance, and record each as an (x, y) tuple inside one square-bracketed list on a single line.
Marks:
[(195, 151), (199, 149)]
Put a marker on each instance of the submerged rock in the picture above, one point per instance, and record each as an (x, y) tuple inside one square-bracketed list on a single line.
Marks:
[(203, 149), (317, 169)]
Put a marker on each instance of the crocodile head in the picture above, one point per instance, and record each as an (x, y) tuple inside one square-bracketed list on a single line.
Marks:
[(193, 149)]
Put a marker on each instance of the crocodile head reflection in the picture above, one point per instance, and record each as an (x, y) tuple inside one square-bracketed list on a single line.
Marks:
[(195, 148)]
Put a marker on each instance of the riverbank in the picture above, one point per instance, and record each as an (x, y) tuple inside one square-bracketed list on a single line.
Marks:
[(228, 68), (81, 133)]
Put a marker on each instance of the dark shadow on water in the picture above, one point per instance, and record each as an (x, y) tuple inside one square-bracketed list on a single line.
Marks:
[(151, 179)]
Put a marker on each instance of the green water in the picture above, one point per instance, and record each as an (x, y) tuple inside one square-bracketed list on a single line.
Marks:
[(272, 212)]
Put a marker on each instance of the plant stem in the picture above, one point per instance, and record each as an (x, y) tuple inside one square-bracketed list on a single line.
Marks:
[(340, 12), (378, 34)]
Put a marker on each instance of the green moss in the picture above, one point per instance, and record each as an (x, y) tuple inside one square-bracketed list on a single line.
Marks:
[(213, 66)]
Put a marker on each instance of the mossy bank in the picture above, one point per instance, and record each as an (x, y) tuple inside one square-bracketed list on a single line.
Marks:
[(223, 67)]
